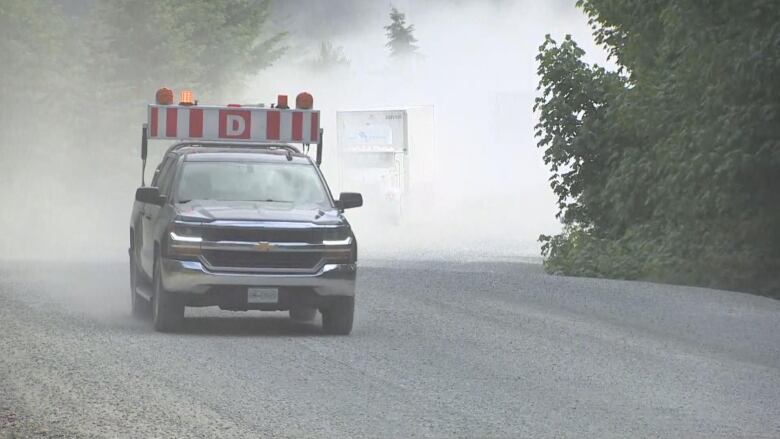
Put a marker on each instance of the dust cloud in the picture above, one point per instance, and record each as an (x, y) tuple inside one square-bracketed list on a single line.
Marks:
[(489, 198)]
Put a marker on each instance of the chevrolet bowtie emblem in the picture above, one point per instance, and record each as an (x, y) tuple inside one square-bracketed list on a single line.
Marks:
[(264, 246)]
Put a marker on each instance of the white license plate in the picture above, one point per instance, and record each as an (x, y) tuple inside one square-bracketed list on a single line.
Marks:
[(262, 295)]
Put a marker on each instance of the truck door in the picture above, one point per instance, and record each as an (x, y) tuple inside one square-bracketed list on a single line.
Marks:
[(150, 213)]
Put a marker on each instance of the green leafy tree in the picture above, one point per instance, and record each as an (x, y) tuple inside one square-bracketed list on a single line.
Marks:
[(113, 55), (74, 84), (35, 67), (400, 36), (209, 46), (669, 168)]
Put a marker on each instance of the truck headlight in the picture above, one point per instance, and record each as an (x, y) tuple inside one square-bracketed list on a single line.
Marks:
[(336, 236), (339, 249), (182, 241), (345, 241)]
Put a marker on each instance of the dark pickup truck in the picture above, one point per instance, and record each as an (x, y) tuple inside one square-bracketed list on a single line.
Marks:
[(243, 227)]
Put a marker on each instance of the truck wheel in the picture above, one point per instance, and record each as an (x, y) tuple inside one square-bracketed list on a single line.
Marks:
[(338, 316), (303, 313), (141, 307), (168, 310)]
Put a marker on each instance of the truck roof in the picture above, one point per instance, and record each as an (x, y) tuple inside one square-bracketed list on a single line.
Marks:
[(249, 154)]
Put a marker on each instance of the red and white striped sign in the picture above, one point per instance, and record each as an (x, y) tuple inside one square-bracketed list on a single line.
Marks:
[(248, 124)]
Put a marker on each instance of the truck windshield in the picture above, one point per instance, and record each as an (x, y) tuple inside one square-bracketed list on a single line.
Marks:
[(253, 181)]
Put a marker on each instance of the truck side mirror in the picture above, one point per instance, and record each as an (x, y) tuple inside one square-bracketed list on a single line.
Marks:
[(348, 200), (149, 195)]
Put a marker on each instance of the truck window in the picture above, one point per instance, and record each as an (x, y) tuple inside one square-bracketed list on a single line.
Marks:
[(166, 176), (254, 181), (161, 170)]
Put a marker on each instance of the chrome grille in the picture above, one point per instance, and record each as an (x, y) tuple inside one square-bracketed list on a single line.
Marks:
[(240, 234), (263, 260)]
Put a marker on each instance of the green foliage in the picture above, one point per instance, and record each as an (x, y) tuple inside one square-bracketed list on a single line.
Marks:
[(74, 84), (116, 53), (31, 42), (35, 53), (205, 45), (400, 36), (668, 169)]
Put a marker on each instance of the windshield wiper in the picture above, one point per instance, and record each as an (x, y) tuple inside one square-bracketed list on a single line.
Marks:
[(271, 200)]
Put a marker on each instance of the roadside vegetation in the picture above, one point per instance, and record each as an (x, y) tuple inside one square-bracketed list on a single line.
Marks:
[(668, 168), (60, 57), (74, 74), (112, 54)]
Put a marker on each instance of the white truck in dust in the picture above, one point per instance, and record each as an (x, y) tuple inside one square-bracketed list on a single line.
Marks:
[(390, 154)]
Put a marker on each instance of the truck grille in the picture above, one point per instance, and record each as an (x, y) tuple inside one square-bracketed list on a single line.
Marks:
[(262, 260), (311, 236)]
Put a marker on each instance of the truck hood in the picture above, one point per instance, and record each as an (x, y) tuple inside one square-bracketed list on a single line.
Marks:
[(209, 211)]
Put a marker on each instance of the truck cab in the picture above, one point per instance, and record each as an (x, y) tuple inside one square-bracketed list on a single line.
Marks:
[(391, 155), (243, 226)]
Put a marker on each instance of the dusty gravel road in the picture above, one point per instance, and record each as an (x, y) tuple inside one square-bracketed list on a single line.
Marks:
[(440, 349)]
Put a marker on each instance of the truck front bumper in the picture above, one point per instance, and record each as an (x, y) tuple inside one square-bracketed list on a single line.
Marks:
[(193, 278)]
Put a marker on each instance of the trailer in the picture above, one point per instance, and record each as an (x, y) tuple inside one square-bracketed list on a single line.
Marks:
[(390, 154)]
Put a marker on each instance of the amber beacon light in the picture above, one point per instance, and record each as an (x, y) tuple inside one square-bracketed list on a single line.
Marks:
[(187, 98), (304, 101), (164, 96), (281, 102)]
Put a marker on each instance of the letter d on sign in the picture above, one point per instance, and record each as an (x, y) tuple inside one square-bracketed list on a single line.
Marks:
[(235, 124)]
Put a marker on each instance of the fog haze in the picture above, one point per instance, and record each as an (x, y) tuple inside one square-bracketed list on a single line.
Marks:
[(475, 66)]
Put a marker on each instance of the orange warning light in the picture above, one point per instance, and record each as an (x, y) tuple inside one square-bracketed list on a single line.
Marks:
[(164, 96), (281, 102), (304, 101), (187, 98)]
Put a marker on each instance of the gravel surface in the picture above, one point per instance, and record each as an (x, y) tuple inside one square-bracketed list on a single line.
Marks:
[(440, 349)]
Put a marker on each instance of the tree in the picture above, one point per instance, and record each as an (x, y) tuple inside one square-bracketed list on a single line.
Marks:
[(74, 88), (329, 58), (35, 50), (400, 36), (669, 168), (209, 46)]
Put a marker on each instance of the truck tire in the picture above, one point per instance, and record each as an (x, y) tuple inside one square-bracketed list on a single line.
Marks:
[(168, 310), (303, 313), (338, 316), (141, 307)]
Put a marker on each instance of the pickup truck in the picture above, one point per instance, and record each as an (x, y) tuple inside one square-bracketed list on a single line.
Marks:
[(243, 227)]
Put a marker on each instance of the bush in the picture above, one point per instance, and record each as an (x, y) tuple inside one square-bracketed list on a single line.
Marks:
[(667, 169)]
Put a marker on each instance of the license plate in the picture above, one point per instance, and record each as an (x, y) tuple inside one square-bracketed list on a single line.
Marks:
[(262, 295)]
